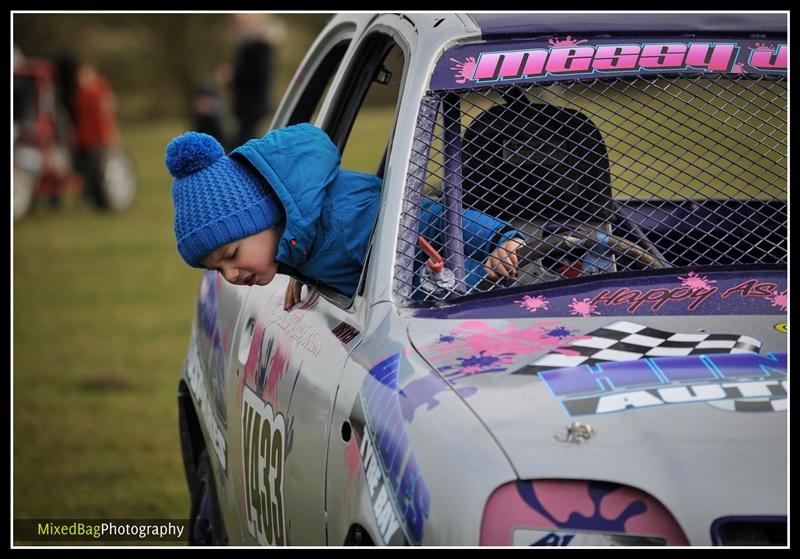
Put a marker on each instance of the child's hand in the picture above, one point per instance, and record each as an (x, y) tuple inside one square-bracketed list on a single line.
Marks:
[(293, 292), (503, 262)]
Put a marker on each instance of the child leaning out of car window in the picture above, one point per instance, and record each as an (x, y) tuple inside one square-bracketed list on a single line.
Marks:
[(281, 204)]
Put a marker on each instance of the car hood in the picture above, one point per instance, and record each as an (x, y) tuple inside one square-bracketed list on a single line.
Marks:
[(684, 400)]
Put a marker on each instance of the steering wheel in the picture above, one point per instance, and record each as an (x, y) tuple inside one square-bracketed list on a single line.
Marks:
[(532, 270)]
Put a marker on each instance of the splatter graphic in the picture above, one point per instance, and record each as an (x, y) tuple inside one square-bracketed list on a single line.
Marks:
[(479, 336), (448, 338), (464, 70), (561, 332), (738, 68), (567, 42), (583, 308), (475, 347), (478, 364), (474, 336), (696, 281), (780, 300), (533, 304), (575, 505), (764, 46)]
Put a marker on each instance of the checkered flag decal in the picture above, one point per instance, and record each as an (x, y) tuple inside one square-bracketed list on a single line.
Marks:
[(628, 341)]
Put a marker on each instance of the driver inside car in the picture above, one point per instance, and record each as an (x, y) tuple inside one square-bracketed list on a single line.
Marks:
[(545, 169)]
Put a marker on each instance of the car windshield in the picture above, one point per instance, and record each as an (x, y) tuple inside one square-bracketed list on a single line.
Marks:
[(602, 159)]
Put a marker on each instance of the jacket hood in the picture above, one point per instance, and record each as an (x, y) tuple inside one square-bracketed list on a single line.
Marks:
[(299, 162)]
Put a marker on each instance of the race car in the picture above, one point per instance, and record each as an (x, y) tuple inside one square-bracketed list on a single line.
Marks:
[(624, 384)]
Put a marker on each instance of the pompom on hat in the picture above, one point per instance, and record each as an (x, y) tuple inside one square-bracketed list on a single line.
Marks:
[(217, 199)]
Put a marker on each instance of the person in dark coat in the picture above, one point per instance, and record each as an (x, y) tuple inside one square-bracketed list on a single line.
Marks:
[(253, 67)]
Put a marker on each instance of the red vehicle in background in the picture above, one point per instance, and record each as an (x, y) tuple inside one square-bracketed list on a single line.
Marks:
[(60, 149)]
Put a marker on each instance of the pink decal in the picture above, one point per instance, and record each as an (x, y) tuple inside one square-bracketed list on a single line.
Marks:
[(751, 288), (562, 500), (488, 66), (616, 57), (763, 46), (464, 70), (251, 364), (567, 42), (534, 65), (766, 57), (479, 337), (780, 300), (655, 520), (584, 308), (504, 511), (663, 56), (714, 57), (280, 364), (657, 297), (475, 348), (352, 463), (571, 60), (575, 506), (470, 370), (254, 356), (738, 68), (695, 281), (533, 304), (510, 64)]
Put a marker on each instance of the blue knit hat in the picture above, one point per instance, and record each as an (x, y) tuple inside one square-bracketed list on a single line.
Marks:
[(217, 199)]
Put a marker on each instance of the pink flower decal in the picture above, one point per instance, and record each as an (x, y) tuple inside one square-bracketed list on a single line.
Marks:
[(739, 68), (533, 304), (567, 42), (764, 46), (279, 366), (780, 300), (464, 70), (584, 308), (695, 281)]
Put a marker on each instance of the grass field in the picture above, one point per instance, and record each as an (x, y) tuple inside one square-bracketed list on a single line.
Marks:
[(102, 309)]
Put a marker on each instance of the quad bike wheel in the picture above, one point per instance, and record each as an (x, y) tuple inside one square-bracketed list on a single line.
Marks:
[(111, 183)]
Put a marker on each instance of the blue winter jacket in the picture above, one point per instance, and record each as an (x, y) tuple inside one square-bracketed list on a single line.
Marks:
[(330, 211)]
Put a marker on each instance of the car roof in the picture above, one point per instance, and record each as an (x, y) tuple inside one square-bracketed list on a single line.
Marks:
[(509, 25)]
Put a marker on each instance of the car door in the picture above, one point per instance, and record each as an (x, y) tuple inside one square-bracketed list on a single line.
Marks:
[(362, 133), (288, 364), (272, 346)]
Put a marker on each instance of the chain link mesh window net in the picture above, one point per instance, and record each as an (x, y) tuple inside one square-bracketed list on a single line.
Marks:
[(598, 177)]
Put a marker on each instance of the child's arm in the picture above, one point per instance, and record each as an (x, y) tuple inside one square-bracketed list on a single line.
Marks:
[(502, 262), (486, 238), (482, 233), (293, 292)]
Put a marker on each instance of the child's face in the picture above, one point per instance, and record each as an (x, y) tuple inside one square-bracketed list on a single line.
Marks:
[(247, 261)]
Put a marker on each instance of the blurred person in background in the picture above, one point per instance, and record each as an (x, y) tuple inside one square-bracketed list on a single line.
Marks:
[(257, 37), (207, 112), (95, 128)]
